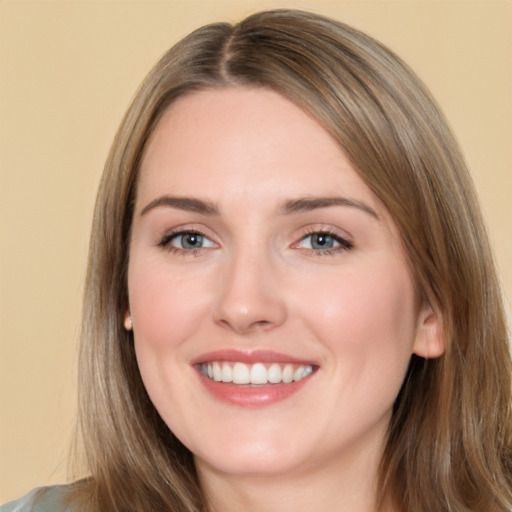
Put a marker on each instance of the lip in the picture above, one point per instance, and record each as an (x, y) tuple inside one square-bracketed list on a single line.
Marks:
[(249, 396), (250, 357)]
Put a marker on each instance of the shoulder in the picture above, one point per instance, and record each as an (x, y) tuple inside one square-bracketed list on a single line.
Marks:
[(42, 499)]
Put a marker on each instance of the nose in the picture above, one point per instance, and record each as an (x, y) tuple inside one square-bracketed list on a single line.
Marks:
[(249, 298)]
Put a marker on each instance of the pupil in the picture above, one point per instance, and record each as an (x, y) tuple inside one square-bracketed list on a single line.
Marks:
[(192, 240), (322, 241)]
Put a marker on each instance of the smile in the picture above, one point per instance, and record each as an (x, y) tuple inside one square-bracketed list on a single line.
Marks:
[(258, 374), (253, 379)]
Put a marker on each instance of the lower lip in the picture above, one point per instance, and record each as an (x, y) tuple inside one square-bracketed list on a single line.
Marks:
[(252, 396)]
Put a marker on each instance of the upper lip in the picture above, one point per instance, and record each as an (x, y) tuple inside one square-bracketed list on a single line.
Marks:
[(250, 357)]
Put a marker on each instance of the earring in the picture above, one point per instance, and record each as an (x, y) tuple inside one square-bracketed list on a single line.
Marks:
[(128, 323)]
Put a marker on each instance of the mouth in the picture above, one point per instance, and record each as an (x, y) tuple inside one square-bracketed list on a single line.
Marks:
[(253, 379), (257, 374)]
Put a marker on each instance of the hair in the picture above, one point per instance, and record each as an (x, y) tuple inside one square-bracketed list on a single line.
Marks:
[(449, 446)]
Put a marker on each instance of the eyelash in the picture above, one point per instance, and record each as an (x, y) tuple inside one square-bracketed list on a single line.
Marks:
[(344, 244), (165, 242)]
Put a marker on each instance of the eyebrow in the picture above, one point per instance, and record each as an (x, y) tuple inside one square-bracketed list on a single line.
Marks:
[(188, 204), (299, 205), (305, 204)]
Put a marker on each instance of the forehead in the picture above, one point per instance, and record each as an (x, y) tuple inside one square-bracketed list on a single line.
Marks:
[(247, 142)]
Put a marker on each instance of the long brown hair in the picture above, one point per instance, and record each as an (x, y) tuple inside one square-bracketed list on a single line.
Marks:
[(449, 443)]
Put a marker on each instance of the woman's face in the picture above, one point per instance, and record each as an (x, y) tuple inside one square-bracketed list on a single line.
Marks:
[(258, 255)]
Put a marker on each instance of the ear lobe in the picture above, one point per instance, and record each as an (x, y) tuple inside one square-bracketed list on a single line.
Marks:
[(429, 342)]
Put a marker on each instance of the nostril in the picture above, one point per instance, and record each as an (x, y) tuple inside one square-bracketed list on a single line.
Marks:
[(245, 327), (260, 324)]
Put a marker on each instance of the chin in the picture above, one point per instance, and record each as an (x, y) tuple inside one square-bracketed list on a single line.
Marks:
[(254, 457)]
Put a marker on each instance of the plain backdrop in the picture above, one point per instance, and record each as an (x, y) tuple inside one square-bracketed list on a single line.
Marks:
[(68, 70)]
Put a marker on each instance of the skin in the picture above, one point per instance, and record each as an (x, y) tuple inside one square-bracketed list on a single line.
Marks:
[(257, 282)]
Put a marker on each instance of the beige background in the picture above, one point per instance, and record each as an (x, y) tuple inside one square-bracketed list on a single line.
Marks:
[(68, 70)]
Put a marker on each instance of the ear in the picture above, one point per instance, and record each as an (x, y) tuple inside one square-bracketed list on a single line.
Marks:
[(429, 342)]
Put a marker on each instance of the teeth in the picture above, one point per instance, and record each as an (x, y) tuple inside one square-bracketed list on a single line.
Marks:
[(217, 372), (299, 373), (226, 373), (308, 370), (257, 374), (241, 373), (288, 373), (275, 375)]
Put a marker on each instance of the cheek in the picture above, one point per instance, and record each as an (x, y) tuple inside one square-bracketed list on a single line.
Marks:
[(369, 316), (166, 311), (165, 306)]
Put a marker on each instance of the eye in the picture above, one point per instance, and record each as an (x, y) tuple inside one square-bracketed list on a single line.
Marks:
[(324, 242), (186, 241)]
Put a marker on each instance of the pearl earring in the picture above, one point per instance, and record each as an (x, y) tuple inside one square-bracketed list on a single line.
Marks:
[(128, 323)]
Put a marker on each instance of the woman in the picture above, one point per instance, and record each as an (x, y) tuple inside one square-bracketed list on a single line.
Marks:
[(291, 300)]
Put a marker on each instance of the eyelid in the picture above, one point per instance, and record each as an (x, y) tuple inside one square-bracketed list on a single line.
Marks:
[(343, 241), (165, 241)]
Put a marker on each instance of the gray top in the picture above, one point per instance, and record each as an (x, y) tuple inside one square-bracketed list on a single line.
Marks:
[(42, 499)]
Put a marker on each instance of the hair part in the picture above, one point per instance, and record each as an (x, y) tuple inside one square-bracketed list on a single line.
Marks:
[(449, 444)]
